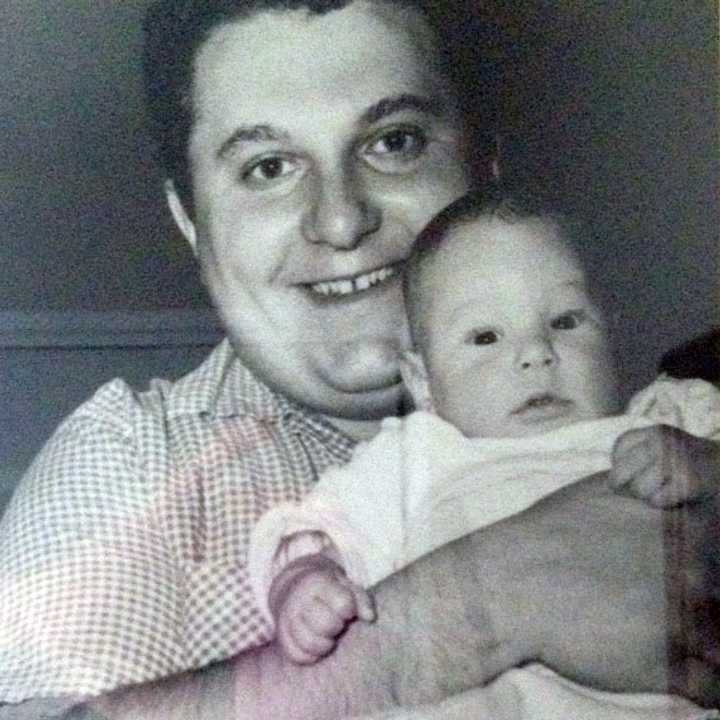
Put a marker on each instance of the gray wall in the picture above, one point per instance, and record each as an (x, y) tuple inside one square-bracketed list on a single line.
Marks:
[(615, 101), (84, 226)]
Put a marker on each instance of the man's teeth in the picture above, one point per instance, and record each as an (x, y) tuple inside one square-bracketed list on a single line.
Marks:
[(351, 285)]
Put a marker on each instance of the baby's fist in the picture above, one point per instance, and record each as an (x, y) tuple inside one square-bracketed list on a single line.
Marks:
[(664, 466), (313, 602)]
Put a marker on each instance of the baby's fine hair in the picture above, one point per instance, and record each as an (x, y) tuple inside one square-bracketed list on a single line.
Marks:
[(502, 200)]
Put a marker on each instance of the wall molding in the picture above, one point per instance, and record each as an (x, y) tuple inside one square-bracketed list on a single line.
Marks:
[(105, 329)]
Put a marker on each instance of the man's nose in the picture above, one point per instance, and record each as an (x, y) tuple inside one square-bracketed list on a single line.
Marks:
[(535, 352), (340, 213)]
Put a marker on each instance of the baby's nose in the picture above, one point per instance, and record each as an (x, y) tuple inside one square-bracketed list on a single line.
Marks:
[(536, 353)]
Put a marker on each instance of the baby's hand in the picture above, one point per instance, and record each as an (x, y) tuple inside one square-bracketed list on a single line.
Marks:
[(665, 466), (313, 601)]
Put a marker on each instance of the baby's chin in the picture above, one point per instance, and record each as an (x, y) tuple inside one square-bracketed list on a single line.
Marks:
[(538, 424), (532, 422)]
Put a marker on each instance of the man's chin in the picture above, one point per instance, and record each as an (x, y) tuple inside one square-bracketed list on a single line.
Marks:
[(361, 368), (357, 384), (363, 392), (370, 406)]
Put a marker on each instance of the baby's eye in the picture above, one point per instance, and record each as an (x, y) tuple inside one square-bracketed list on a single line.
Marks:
[(568, 320), (484, 337), (268, 169)]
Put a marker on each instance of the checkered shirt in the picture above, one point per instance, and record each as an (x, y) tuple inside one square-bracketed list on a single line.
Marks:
[(123, 551)]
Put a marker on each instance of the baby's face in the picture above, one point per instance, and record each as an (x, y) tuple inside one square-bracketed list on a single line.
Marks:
[(513, 345)]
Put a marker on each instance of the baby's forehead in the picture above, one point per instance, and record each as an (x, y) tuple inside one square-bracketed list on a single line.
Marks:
[(494, 246), (490, 260)]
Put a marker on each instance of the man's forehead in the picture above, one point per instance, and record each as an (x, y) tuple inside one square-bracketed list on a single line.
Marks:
[(258, 76), (320, 41)]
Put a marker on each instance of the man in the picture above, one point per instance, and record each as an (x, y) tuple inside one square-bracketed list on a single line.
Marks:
[(305, 148)]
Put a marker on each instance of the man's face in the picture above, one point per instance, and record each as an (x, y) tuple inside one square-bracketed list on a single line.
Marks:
[(321, 146), (512, 343)]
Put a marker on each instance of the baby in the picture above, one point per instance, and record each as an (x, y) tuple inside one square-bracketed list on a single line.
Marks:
[(514, 383)]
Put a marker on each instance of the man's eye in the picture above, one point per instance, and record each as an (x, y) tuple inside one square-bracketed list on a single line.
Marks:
[(393, 149), (568, 320), (399, 141), (486, 337), (268, 169)]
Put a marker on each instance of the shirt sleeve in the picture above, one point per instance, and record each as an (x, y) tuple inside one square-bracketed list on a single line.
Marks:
[(690, 405), (89, 598), (359, 508)]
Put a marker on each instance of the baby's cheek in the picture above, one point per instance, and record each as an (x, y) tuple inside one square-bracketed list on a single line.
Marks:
[(457, 397), (603, 389), (488, 401), (590, 350)]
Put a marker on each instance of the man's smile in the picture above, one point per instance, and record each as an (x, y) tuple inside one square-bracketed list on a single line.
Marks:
[(355, 283)]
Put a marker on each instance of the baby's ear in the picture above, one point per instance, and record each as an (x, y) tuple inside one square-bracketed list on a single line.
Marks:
[(414, 375)]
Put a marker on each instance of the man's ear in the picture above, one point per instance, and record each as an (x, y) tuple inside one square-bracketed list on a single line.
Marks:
[(414, 375), (182, 219)]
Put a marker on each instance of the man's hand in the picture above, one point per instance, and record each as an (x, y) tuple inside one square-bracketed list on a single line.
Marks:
[(313, 602), (616, 594), (665, 466)]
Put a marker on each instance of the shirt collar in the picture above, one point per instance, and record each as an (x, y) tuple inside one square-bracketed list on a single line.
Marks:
[(223, 387)]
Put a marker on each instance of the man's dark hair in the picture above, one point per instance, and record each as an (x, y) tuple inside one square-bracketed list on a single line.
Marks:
[(176, 29)]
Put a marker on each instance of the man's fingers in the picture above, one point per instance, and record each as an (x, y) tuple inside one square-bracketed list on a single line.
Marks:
[(631, 455), (636, 437), (664, 466), (647, 481), (670, 494)]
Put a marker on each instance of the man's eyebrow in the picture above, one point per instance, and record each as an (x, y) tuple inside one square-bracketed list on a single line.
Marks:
[(250, 134), (391, 105), (384, 108)]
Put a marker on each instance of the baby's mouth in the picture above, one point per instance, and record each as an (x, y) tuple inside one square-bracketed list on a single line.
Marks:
[(543, 404), (354, 284)]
